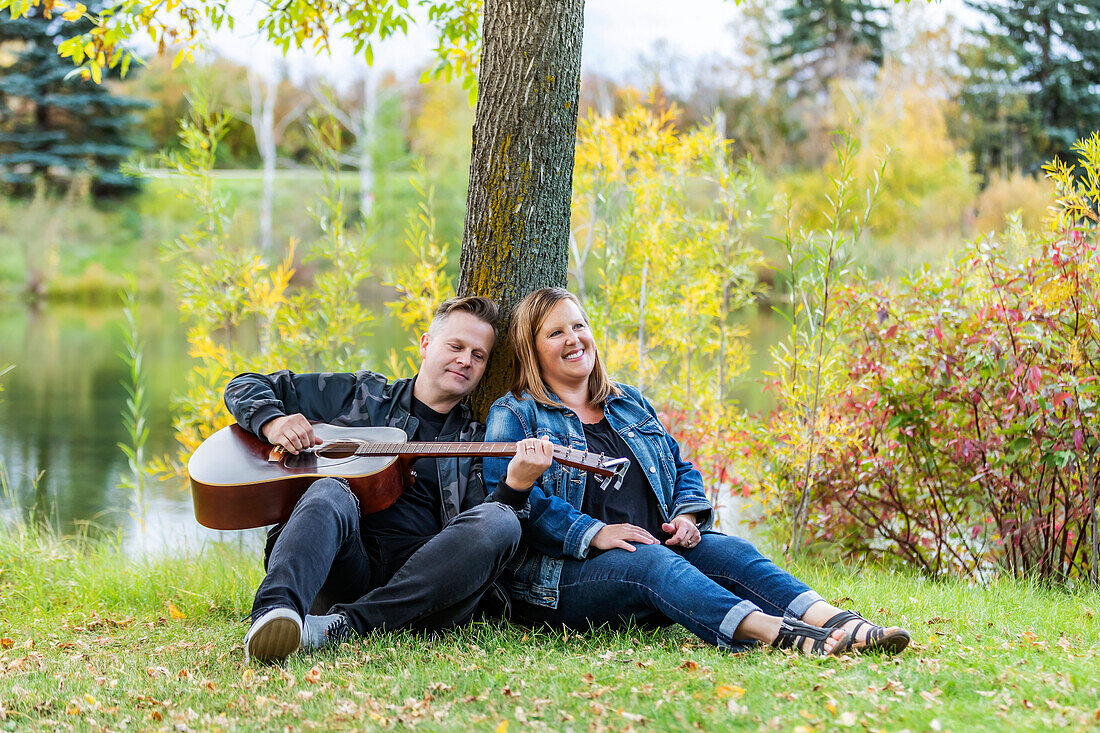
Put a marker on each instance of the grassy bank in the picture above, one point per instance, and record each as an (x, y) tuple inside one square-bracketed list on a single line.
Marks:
[(92, 640), (73, 248)]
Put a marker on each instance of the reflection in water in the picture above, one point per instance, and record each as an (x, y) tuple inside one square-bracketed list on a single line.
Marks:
[(60, 423)]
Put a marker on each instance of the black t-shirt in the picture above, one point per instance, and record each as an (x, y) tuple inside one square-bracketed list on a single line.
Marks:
[(398, 531), (634, 502)]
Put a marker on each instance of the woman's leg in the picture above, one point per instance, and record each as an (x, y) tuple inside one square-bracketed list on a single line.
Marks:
[(737, 565), (618, 587)]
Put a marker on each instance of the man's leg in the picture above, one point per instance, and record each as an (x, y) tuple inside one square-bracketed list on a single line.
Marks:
[(443, 581), (319, 542)]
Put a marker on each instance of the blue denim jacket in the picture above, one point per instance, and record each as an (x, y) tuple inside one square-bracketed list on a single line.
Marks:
[(554, 527)]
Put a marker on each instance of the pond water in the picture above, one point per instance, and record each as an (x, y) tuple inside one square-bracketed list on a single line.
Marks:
[(61, 423)]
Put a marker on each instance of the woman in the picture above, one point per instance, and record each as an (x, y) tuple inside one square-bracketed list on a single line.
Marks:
[(642, 552)]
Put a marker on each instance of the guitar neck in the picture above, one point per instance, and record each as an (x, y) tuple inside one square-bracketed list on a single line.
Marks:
[(594, 462), (419, 448)]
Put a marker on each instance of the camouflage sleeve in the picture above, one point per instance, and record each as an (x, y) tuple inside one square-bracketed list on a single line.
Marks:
[(255, 399)]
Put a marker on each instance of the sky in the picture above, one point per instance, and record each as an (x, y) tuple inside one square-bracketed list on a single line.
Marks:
[(617, 34)]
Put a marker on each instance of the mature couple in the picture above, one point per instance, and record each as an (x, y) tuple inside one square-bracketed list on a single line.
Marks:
[(549, 541)]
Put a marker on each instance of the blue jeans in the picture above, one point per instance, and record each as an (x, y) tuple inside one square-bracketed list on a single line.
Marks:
[(709, 589), (318, 564)]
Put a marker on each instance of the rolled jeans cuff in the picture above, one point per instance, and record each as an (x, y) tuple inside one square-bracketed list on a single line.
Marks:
[(802, 603), (733, 619)]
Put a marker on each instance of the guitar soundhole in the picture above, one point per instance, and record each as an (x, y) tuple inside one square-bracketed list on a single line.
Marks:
[(315, 461), (339, 449), (336, 453)]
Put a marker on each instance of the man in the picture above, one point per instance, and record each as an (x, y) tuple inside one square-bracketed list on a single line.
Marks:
[(429, 559)]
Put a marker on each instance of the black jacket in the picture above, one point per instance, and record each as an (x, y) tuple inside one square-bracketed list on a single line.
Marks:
[(360, 399)]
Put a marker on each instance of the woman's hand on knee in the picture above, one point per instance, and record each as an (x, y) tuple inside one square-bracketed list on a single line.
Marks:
[(620, 536)]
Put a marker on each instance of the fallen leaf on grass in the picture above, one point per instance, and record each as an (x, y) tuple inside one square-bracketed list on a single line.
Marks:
[(724, 691), (6, 643), (690, 665), (847, 719), (313, 676), (175, 613), (931, 696), (502, 727)]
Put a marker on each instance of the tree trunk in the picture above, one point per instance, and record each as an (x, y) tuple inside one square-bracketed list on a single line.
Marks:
[(262, 120), (364, 140), (521, 170)]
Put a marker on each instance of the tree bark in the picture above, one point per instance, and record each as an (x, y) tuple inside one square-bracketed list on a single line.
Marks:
[(516, 237)]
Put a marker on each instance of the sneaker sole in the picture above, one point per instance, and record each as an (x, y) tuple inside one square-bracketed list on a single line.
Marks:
[(274, 641)]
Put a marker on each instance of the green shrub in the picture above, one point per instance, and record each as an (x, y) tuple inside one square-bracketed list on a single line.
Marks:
[(968, 424)]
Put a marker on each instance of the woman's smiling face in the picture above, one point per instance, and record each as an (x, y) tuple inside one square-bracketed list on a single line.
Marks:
[(565, 347)]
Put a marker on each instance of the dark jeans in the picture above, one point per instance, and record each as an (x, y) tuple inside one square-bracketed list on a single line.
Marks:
[(709, 589), (319, 555)]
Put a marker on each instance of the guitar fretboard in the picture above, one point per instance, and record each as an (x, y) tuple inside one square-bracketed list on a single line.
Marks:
[(418, 448)]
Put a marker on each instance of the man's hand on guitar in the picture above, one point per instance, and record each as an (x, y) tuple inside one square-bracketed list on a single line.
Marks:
[(291, 432), (533, 457)]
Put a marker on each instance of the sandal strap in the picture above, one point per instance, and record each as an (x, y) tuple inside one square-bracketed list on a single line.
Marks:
[(844, 617), (875, 634), (793, 632)]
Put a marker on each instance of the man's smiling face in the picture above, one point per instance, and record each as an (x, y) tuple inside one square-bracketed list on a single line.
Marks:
[(455, 352)]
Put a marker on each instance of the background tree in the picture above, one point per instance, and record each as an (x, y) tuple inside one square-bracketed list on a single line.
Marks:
[(814, 47), (1049, 51), (55, 124), (995, 119), (824, 41)]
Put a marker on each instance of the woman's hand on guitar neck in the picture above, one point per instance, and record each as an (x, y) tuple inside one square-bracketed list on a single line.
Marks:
[(291, 432), (533, 457)]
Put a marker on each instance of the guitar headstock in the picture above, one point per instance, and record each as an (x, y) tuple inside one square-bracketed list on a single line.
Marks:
[(612, 469)]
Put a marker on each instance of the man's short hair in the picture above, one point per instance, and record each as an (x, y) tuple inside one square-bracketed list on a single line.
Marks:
[(478, 306)]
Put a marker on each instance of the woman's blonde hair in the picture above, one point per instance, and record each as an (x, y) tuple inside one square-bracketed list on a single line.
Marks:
[(526, 321)]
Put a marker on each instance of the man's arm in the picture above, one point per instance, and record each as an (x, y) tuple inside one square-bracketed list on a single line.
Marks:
[(279, 406)]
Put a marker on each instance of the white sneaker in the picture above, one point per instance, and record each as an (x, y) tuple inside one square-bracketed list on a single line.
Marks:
[(273, 636)]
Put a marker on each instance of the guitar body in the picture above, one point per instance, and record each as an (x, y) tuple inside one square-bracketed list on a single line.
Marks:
[(235, 486)]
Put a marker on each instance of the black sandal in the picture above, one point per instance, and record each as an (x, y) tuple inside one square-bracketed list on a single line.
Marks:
[(792, 633), (877, 639)]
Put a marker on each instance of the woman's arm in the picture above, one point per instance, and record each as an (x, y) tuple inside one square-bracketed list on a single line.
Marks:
[(688, 494), (552, 526)]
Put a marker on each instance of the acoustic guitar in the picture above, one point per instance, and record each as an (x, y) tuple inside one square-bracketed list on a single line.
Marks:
[(239, 481)]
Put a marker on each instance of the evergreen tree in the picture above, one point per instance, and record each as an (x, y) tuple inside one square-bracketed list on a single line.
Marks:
[(995, 118), (1056, 58), (53, 126), (830, 39)]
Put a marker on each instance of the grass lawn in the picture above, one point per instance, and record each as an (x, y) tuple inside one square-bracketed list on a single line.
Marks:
[(94, 641)]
